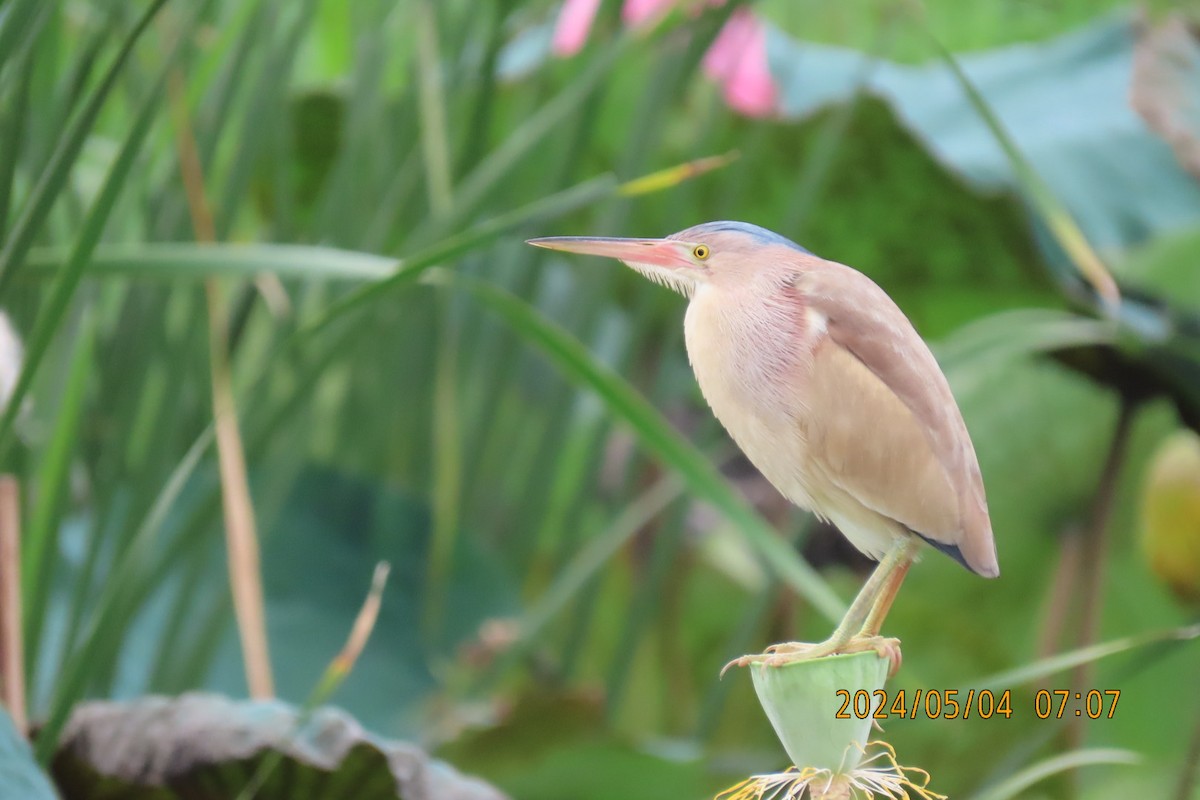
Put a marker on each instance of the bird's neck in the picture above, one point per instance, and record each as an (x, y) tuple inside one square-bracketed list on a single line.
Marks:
[(750, 340)]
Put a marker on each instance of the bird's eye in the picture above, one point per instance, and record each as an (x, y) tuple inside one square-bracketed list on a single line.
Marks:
[(700, 251)]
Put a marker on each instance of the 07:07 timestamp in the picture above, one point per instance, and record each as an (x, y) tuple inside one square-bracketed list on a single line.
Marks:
[(1057, 703)]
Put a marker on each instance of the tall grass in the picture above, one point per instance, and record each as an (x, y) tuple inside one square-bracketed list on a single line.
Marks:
[(113, 385), (370, 171)]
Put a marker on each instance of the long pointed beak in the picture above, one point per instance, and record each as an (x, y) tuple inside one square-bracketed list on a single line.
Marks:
[(668, 253)]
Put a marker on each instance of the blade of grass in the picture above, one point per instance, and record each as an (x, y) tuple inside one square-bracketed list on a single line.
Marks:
[(69, 274), (12, 126), (245, 568), (522, 141), (479, 234), (432, 106), (582, 568), (1043, 668), (262, 116), (558, 493), (241, 535), (190, 668), (333, 676), (741, 640), (1017, 784), (1191, 765), (218, 108), (447, 453), (374, 140), (112, 609), (391, 205), (19, 24), (42, 539), (179, 629), (654, 433), (54, 177), (168, 210), (189, 261), (648, 604), (484, 101), (673, 176)]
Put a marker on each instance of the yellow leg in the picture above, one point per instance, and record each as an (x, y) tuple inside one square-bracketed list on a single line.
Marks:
[(883, 602), (859, 629)]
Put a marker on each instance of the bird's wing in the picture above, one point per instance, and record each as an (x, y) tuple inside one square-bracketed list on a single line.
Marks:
[(886, 426)]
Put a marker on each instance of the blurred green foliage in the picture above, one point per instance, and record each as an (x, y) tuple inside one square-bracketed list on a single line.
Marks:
[(398, 416)]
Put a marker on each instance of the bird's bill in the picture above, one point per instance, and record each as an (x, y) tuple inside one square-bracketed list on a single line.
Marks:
[(668, 253)]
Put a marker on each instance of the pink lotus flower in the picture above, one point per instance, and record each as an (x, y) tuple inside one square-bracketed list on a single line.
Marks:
[(574, 24), (737, 59)]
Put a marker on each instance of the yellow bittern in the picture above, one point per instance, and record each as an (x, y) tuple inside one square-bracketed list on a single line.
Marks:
[(828, 389)]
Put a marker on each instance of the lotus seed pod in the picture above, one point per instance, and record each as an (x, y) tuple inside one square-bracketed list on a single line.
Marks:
[(802, 701), (1170, 514), (822, 710)]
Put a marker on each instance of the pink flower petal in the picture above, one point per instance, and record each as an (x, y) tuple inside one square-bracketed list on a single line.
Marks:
[(573, 25), (738, 61), (728, 46), (639, 12)]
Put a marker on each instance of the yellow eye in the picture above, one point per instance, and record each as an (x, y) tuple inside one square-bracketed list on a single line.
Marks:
[(700, 251)]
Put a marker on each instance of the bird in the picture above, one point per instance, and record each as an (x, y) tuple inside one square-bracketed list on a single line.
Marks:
[(825, 385)]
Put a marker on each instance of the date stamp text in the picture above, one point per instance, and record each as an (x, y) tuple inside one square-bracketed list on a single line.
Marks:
[(981, 704)]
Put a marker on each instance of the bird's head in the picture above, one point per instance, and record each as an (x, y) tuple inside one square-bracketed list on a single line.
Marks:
[(714, 253)]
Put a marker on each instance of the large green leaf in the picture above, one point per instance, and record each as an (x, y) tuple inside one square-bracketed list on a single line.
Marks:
[(1064, 102)]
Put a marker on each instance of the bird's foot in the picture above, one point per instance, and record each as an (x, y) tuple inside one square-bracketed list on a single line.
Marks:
[(777, 655), (885, 646), (785, 653)]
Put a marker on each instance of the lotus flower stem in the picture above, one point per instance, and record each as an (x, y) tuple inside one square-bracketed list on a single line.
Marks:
[(12, 659)]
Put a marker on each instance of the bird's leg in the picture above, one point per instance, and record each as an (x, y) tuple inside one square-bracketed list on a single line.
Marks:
[(887, 595), (856, 617), (868, 637), (859, 629)]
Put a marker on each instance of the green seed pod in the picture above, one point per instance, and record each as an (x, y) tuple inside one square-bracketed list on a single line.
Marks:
[(822, 711), (802, 700)]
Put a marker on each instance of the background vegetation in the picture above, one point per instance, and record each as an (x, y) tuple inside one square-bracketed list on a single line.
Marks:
[(314, 211)]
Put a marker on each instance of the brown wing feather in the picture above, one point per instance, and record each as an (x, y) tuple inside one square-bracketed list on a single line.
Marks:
[(884, 399)]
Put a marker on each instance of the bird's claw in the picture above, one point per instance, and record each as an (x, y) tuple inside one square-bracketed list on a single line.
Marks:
[(778, 655), (884, 646), (743, 661)]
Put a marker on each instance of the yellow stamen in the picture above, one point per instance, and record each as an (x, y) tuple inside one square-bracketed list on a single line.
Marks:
[(878, 776)]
